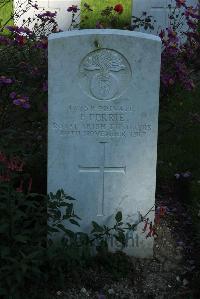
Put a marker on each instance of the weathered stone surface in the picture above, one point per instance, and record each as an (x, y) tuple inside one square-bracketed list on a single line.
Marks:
[(159, 10), (63, 17), (103, 114)]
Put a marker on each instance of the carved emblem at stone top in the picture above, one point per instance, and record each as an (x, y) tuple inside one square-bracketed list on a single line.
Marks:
[(104, 74)]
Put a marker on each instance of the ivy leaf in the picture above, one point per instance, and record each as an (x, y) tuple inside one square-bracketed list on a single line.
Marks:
[(70, 197), (58, 194), (69, 209), (121, 238), (97, 228), (74, 222), (118, 216), (52, 230), (65, 230)]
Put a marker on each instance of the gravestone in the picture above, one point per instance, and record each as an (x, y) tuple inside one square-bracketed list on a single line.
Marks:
[(159, 10), (102, 130), (63, 17)]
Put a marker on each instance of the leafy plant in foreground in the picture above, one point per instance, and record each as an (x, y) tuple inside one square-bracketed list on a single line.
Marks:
[(23, 239)]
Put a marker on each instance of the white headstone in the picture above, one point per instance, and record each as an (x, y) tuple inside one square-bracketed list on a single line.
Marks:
[(102, 130), (159, 10), (63, 17)]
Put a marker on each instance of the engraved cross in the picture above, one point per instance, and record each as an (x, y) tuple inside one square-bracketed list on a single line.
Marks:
[(102, 170)]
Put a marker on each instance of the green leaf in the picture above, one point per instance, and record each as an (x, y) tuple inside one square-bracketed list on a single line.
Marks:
[(52, 230), (75, 216), (97, 228), (58, 194), (102, 246), (63, 204), (120, 223), (70, 198), (74, 222), (69, 209), (118, 216), (66, 231), (134, 226), (121, 237)]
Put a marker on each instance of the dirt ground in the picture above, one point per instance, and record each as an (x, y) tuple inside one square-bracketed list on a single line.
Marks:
[(172, 273)]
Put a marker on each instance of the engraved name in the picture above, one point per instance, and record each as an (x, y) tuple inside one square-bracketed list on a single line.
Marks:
[(112, 121)]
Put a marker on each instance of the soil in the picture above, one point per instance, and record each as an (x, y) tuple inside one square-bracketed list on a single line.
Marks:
[(173, 272)]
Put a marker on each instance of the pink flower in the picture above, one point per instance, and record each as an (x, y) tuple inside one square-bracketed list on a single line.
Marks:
[(99, 25), (73, 8), (19, 100), (19, 30), (167, 80), (172, 35), (42, 44), (12, 28), (162, 34), (5, 40), (189, 84), (45, 86), (5, 80), (193, 25), (13, 95), (48, 15)]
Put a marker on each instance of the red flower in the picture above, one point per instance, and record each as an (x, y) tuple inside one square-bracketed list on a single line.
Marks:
[(119, 8), (21, 40)]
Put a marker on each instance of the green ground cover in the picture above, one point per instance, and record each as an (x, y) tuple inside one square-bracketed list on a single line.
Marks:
[(6, 7), (179, 148), (89, 19)]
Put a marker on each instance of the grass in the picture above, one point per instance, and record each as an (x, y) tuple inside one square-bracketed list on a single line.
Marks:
[(6, 8), (89, 19)]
